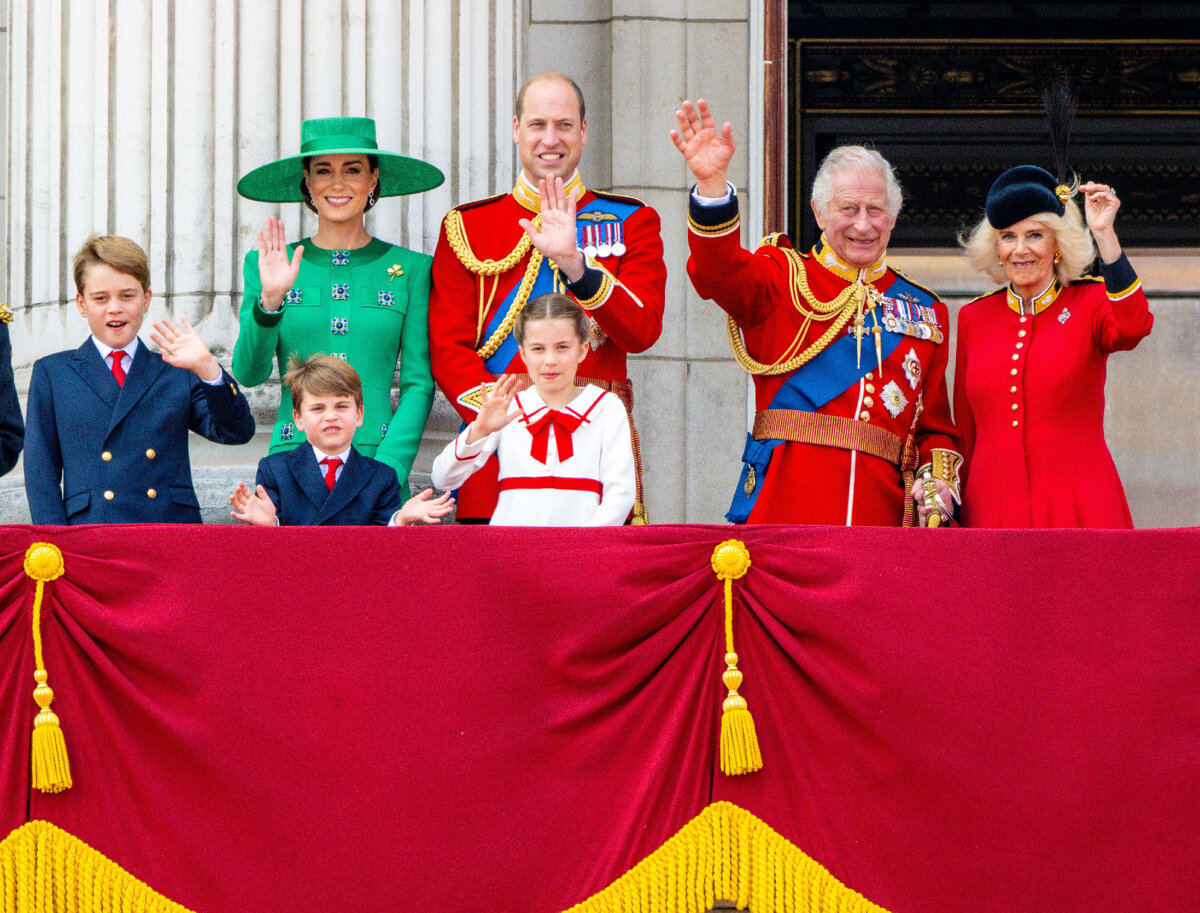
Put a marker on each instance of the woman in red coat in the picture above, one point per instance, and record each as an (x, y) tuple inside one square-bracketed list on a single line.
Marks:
[(1032, 357)]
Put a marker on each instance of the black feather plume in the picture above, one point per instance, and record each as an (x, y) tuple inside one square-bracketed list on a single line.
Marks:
[(1060, 115)]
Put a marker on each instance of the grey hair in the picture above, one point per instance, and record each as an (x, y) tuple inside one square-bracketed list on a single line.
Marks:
[(854, 158), (1070, 234)]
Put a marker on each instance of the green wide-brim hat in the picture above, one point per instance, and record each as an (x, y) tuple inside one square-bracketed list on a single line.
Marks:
[(279, 182)]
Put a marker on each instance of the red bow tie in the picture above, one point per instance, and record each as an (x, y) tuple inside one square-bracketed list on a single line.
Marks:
[(565, 422)]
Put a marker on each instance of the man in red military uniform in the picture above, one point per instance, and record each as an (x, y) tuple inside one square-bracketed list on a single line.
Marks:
[(549, 234), (848, 357)]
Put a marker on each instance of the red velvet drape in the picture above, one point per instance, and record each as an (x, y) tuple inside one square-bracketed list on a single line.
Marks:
[(479, 719)]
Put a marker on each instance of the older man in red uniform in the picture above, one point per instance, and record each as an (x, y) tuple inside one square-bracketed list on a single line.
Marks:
[(848, 357), (549, 234)]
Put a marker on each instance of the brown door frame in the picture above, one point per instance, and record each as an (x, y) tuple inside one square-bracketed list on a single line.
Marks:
[(775, 68)]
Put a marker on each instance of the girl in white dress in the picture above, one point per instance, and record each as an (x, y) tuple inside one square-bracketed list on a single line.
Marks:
[(565, 454)]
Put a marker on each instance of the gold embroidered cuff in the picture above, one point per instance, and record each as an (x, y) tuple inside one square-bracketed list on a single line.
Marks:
[(601, 294), (944, 465), (715, 231)]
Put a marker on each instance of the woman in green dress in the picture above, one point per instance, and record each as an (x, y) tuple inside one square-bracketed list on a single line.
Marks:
[(341, 292)]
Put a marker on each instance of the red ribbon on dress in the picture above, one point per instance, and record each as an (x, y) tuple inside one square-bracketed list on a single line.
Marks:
[(565, 422)]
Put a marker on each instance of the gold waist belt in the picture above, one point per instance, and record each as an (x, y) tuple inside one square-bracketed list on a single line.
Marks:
[(829, 431)]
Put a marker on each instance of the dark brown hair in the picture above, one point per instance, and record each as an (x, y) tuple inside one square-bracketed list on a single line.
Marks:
[(372, 165)]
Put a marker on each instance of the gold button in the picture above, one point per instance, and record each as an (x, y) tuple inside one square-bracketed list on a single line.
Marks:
[(1021, 333), (870, 388), (865, 415), (870, 376), (1016, 355), (1020, 345), (106, 456), (1013, 372), (1012, 389), (1014, 407), (108, 496), (1015, 423), (150, 454), (868, 402), (151, 493), (1023, 319)]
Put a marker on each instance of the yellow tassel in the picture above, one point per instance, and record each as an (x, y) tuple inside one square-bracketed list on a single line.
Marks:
[(740, 753), (51, 769)]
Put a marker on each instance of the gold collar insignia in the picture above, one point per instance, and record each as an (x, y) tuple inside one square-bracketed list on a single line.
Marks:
[(1039, 303), (825, 255), (527, 194)]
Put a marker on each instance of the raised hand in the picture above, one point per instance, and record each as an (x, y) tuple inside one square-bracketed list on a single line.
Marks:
[(556, 239), (254, 507), (493, 410), (183, 348), (1100, 205), (706, 149), (276, 273), (420, 509)]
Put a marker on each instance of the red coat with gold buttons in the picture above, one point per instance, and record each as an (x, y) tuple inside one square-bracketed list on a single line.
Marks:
[(1029, 402)]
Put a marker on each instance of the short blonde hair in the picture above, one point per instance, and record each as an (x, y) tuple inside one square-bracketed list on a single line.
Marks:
[(321, 375), (1070, 234)]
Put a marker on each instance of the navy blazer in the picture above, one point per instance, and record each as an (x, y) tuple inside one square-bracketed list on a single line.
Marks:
[(12, 429), (96, 452), (367, 492)]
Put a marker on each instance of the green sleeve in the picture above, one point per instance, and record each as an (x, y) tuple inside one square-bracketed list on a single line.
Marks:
[(258, 333), (399, 446)]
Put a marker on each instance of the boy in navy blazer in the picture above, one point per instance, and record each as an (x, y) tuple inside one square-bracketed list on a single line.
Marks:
[(106, 437), (326, 482)]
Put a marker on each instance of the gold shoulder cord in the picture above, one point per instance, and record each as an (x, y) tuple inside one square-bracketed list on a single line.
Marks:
[(456, 237), (840, 310)]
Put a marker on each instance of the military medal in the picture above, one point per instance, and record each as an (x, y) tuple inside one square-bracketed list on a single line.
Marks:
[(605, 249), (618, 247), (589, 246)]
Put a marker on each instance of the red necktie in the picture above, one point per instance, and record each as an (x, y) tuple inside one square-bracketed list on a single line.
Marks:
[(118, 372), (565, 422), (331, 465)]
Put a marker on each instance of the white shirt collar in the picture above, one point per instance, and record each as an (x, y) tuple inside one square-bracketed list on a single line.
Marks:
[(343, 456), (106, 351)]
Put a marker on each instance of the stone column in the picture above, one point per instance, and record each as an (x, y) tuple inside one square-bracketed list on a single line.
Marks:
[(135, 118)]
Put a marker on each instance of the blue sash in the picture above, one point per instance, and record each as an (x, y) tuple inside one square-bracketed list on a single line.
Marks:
[(499, 361), (810, 387)]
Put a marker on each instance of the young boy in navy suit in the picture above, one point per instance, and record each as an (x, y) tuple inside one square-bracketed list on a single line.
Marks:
[(326, 482), (106, 437)]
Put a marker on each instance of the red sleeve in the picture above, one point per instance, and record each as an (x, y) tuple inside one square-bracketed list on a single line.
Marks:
[(453, 311), (630, 301), (741, 283), (962, 407), (1123, 318), (935, 427)]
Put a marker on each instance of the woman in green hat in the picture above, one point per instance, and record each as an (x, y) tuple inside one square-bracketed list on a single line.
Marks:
[(341, 292)]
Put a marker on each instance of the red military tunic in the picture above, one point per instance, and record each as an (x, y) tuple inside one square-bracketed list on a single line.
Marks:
[(1029, 400), (623, 290), (815, 483)]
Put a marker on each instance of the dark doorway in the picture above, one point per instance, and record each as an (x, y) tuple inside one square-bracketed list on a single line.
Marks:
[(950, 93)]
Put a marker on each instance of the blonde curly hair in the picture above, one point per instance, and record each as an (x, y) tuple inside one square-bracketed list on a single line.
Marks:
[(1071, 235)]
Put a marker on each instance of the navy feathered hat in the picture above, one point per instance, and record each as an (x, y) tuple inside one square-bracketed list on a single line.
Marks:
[(1022, 192)]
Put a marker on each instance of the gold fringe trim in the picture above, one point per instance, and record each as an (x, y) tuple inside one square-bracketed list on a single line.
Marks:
[(43, 869), (739, 740), (726, 853), (50, 768)]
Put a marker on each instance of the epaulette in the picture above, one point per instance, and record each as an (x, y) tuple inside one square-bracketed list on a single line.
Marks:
[(463, 207), (780, 240), (1087, 277), (927, 291), (986, 295), (6, 314), (609, 195)]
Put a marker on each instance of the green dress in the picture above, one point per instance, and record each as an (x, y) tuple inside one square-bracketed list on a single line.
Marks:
[(368, 306)]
